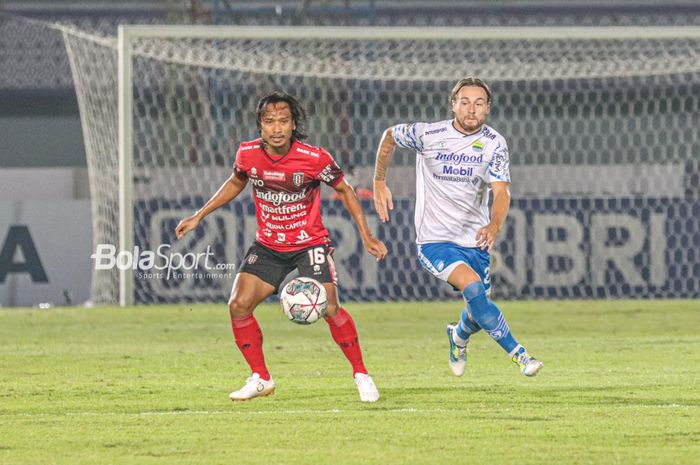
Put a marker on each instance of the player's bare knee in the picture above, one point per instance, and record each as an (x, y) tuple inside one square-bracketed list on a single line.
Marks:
[(469, 282), (240, 306)]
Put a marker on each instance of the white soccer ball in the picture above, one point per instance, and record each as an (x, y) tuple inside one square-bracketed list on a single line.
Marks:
[(304, 300)]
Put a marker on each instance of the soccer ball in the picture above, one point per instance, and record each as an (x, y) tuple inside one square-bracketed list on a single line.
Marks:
[(304, 300)]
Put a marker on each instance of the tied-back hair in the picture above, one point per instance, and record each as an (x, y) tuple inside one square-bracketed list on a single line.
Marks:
[(471, 82), (295, 107)]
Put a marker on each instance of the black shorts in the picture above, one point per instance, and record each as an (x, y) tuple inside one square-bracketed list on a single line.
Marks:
[(273, 267)]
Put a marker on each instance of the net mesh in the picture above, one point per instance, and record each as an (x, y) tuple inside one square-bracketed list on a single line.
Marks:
[(97, 100), (603, 138)]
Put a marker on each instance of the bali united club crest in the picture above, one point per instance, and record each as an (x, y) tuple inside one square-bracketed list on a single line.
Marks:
[(298, 179)]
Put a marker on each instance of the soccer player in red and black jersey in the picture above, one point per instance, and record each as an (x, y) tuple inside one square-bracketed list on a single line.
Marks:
[(286, 174)]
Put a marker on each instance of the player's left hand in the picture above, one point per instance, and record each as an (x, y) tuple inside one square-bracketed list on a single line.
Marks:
[(375, 247), (486, 236)]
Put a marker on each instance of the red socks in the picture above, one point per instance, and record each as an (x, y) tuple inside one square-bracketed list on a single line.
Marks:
[(345, 335), (249, 340)]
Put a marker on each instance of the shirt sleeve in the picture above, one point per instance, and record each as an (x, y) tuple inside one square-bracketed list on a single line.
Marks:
[(240, 170), (499, 166), (409, 136), (328, 170)]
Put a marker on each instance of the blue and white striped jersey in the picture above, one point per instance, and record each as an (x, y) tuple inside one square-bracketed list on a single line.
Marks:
[(453, 176)]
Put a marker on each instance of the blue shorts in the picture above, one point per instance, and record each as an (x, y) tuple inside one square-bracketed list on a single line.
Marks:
[(441, 258)]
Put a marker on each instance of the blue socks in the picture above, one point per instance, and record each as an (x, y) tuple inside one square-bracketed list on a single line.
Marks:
[(486, 315), (465, 328)]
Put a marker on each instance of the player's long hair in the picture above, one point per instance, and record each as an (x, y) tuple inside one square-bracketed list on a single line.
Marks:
[(295, 107), (470, 82)]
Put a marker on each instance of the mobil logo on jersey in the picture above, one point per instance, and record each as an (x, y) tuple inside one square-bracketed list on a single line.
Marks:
[(458, 170), (460, 158)]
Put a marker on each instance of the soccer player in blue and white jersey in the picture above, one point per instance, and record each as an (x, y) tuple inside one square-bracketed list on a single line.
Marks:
[(460, 162)]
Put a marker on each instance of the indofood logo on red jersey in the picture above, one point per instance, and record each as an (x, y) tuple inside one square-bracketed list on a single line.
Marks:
[(278, 198)]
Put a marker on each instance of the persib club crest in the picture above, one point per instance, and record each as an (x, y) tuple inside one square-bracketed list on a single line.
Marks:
[(298, 179)]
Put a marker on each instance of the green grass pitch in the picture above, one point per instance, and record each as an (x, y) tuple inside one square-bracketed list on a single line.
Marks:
[(149, 385)]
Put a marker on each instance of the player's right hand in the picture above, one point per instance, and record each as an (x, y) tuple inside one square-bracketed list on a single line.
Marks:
[(186, 225), (376, 248), (383, 201)]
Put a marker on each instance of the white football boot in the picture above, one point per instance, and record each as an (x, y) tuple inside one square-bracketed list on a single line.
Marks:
[(528, 364), (366, 387), (254, 386), (458, 354)]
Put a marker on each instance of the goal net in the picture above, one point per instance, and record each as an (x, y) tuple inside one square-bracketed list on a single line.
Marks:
[(602, 127)]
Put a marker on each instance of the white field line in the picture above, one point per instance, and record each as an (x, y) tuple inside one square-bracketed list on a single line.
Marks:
[(276, 412), (220, 412)]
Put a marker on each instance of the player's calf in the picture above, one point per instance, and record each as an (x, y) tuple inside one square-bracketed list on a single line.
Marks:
[(488, 316)]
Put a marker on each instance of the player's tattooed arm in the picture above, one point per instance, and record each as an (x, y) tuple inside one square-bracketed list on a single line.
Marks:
[(384, 153), (383, 201), (228, 191)]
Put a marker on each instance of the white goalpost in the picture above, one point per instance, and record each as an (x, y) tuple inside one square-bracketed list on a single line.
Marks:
[(601, 124)]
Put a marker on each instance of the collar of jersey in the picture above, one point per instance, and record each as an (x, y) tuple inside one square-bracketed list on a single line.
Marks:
[(276, 160), (478, 133)]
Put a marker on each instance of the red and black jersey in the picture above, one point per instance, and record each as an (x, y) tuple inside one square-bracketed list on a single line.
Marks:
[(287, 193)]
